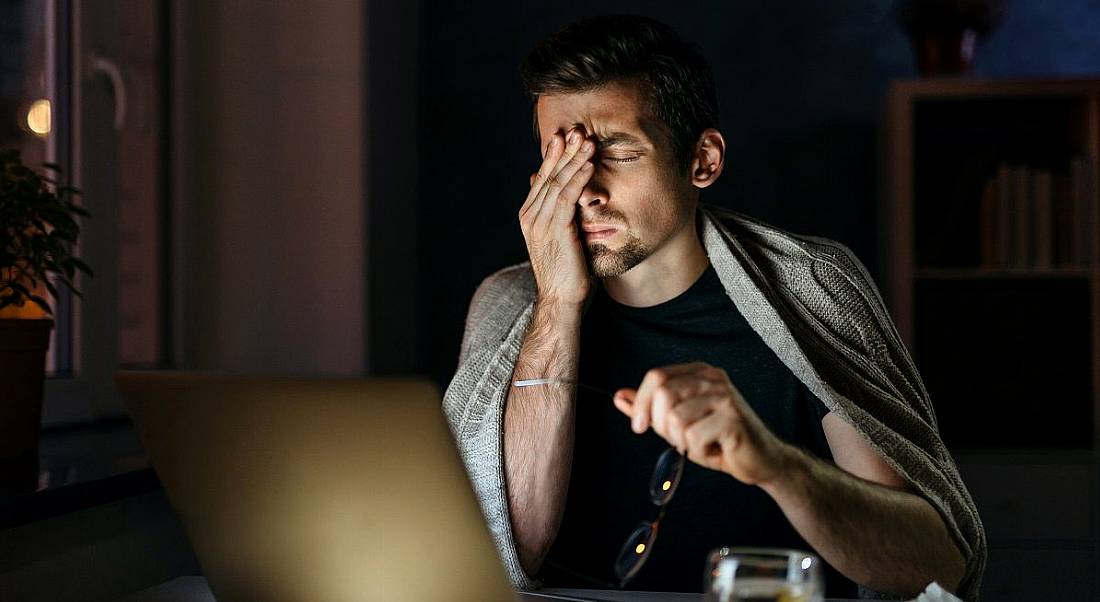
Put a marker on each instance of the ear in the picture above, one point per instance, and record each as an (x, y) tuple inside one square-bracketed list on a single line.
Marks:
[(708, 158)]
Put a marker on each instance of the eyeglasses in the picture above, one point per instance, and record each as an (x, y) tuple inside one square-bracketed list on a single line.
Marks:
[(662, 486)]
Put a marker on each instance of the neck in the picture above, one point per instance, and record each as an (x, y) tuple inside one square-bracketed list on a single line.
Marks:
[(665, 274)]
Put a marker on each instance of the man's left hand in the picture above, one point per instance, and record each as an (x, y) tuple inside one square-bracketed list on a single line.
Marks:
[(697, 409)]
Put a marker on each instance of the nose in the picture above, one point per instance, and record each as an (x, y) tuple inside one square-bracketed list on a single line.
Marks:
[(594, 193)]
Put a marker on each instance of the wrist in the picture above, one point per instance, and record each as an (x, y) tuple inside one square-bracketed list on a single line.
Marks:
[(558, 309)]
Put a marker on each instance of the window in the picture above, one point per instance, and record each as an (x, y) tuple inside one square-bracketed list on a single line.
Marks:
[(82, 84)]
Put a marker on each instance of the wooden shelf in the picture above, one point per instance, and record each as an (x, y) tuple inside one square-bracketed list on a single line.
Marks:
[(1026, 330), (1010, 355)]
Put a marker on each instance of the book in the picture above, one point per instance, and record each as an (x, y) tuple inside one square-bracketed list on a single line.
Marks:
[(1064, 225), (1078, 196), (1043, 231), (987, 223), (1003, 214), (1021, 217), (1090, 200)]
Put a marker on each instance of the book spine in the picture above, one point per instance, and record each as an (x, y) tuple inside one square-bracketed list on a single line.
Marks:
[(1044, 220), (987, 224), (1021, 217), (1079, 208), (1091, 194), (1063, 220), (1003, 237)]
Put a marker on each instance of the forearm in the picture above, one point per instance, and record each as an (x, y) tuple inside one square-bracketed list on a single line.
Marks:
[(885, 539), (538, 431)]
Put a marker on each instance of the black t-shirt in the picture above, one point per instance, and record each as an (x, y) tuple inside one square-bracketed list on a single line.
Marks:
[(608, 488)]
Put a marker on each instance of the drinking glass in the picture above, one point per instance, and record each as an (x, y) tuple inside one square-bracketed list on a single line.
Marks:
[(763, 575)]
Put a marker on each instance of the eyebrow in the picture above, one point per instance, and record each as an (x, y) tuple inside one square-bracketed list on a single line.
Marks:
[(618, 139)]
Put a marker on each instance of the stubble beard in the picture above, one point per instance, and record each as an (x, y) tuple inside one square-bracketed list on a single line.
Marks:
[(605, 262)]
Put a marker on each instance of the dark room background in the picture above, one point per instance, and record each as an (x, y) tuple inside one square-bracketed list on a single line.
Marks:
[(329, 182), (801, 86)]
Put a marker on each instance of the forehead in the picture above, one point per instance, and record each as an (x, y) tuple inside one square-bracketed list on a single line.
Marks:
[(615, 108)]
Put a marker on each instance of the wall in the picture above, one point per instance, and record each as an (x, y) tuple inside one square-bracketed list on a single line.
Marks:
[(275, 261)]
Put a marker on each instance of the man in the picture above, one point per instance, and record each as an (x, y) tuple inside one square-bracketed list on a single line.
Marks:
[(766, 358)]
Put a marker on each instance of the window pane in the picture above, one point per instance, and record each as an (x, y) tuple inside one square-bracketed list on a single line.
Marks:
[(28, 102), (123, 115)]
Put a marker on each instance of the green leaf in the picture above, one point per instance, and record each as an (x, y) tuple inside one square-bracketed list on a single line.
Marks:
[(38, 220), (77, 209), (80, 265), (40, 302)]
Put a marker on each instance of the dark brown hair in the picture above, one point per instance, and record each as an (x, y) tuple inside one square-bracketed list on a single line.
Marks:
[(597, 51)]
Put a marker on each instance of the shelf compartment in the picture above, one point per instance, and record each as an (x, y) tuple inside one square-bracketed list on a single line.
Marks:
[(1007, 361), (958, 147)]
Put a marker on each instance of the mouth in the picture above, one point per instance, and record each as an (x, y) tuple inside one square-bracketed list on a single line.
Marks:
[(599, 232)]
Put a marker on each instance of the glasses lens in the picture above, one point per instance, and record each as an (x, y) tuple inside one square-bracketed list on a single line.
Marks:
[(635, 551), (666, 476)]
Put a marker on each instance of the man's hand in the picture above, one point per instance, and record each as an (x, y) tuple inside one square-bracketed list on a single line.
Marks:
[(697, 409), (547, 220)]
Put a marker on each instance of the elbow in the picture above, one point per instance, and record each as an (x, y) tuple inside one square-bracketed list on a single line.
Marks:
[(946, 568), (954, 569), (529, 560)]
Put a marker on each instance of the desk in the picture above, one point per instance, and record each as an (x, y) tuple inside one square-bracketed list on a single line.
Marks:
[(195, 589)]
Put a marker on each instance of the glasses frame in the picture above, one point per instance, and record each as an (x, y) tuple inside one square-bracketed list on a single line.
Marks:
[(629, 548)]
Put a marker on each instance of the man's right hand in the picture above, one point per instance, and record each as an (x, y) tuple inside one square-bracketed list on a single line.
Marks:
[(546, 219)]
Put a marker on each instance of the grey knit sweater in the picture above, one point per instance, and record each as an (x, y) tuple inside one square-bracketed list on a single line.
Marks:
[(811, 301)]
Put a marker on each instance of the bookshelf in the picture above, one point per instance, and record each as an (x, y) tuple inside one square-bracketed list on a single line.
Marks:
[(989, 226)]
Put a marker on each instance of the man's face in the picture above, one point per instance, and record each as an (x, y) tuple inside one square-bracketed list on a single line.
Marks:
[(636, 186)]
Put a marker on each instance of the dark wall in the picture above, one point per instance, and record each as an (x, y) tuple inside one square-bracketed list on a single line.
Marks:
[(800, 84)]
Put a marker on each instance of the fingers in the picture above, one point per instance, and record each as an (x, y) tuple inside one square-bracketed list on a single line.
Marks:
[(559, 195), (554, 149), (683, 415), (643, 401), (566, 147), (703, 439), (624, 401), (680, 416), (565, 205), (681, 401)]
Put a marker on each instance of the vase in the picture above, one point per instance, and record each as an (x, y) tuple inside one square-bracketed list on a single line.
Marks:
[(23, 346)]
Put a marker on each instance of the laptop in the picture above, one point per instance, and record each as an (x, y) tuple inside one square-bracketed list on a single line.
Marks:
[(316, 489)]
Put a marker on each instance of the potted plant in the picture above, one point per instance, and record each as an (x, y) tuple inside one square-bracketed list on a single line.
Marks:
[(37, 230)]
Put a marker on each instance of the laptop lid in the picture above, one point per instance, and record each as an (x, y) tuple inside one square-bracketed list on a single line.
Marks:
[(316, 489)]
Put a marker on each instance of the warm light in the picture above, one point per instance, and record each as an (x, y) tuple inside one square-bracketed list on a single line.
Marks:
[(665, 486), (38, 117), (806, 562), (640, 548)]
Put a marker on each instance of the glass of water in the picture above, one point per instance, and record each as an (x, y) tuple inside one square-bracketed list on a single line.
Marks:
[(763, 575)]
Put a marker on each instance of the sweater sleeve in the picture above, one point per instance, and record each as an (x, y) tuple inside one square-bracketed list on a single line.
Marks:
[(474, 403), (900, 420), (833, 328)]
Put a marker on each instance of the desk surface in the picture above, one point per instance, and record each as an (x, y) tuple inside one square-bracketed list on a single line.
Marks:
[(195, 589)]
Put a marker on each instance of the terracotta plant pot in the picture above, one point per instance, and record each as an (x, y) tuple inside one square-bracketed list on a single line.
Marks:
[(23, 345)]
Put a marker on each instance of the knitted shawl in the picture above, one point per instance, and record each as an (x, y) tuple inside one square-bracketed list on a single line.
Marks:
[(814, 305)]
